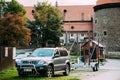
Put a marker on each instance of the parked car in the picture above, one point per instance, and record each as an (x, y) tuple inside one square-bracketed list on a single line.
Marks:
[(23, 51), (21, 56), (45, 61)]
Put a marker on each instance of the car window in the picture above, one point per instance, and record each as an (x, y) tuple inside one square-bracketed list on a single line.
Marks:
[(56, 53), (43, 52), (63, 53)]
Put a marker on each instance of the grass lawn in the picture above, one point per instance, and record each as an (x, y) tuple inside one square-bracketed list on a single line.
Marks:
[(12, 75), (74, 59)]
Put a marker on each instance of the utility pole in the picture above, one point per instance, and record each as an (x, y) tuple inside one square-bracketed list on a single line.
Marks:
[(78, 50), (89, 48), (98, 50)]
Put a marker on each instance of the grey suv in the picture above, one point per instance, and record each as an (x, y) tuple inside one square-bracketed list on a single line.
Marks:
[(45, 61)]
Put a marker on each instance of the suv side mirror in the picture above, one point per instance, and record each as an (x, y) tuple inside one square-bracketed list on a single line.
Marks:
[(56, 55)]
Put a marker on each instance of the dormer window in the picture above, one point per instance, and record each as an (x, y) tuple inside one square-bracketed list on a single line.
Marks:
[(82, 16), (64, 10), (33, 11), (72, 27)]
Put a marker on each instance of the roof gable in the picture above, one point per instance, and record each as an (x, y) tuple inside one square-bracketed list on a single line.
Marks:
[(95, 42)]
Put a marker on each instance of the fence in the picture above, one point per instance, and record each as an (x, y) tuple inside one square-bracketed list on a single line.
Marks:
[(7, 56), (113, 55)]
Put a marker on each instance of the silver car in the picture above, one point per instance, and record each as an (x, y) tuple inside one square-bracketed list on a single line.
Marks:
[(45, 61)]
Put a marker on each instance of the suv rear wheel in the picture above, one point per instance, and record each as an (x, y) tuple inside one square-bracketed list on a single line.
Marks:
[(49, 72), (67, 70)]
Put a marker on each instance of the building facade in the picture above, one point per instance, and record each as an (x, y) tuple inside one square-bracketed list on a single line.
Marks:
[(77, 23), (107, 24)]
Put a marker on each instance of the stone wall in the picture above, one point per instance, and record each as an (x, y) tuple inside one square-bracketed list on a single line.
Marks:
[(107, 27)]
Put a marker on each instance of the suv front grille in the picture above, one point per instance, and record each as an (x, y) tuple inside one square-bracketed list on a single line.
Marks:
[(29, 62), (27, 66)]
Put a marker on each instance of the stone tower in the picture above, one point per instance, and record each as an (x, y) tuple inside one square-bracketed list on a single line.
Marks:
[(107, 24)]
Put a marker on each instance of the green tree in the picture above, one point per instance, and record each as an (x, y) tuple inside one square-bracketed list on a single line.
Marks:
[(49, 19), (12, 25), (2, 6), (13, 32), (35, 32), (14, 7)]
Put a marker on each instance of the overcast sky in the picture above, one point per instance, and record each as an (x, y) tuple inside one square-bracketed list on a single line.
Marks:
[(60, 2)]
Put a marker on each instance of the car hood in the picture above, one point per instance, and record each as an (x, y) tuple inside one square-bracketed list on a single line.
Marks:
[(37, 58)]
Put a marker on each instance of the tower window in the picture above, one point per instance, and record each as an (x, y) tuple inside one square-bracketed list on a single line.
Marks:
[(96, 21), (105, 33)]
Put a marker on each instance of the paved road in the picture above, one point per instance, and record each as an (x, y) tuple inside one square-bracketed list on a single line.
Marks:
[(109, 71), (112, 71)]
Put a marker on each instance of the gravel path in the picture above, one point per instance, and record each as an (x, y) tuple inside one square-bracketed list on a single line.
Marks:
[(109, 71), (85, 73)]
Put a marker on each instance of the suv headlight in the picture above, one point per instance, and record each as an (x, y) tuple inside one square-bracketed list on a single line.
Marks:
[(18, 61), (42, 62)]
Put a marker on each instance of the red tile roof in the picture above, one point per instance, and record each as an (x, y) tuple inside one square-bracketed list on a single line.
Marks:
[(99, 2), (74, 13), (29, 12), (77, 13)]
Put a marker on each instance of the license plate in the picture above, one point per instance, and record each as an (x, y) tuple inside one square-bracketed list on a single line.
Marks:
[(28, 70)]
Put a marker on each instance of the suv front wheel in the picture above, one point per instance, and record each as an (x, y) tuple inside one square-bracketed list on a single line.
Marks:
[(49, 72), (21, 74), (67, 70)]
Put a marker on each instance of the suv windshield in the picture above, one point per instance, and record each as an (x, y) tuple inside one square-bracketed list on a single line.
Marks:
[(43, 52)]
